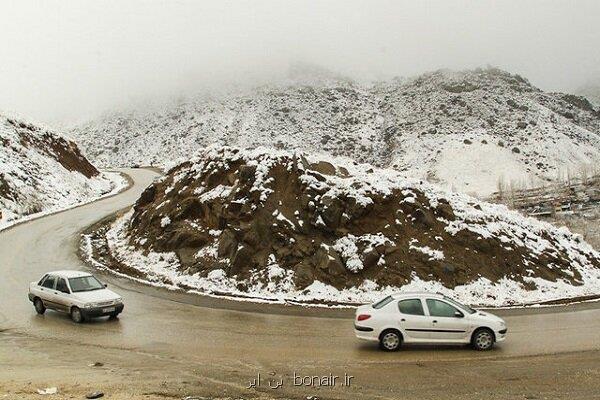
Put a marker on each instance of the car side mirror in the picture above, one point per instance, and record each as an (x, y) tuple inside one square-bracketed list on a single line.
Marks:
[(106, 285), (458, 314)]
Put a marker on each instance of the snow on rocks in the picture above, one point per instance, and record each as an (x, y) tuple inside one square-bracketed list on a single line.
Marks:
[(364, 238), (349, 252), (41, 173), (346, 247), (164, 222), (433, 254)]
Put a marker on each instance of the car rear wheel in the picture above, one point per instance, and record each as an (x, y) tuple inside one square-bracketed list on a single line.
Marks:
[(39, 306), (390, 340), (483, 339), (114, 315), (76, 315)]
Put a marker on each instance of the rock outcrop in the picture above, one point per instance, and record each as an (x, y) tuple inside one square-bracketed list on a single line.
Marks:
[(288, 222)]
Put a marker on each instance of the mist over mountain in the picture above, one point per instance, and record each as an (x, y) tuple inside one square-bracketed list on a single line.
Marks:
[(591, 91), (64, 61)]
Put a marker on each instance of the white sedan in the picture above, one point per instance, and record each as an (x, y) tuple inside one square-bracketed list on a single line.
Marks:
[(77, 293), (426, 318)]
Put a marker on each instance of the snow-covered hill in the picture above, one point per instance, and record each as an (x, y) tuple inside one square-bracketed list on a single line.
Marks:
[(42, 172), (279, 225), (467, 130)]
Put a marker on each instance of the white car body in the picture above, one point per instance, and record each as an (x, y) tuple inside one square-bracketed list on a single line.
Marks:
[(401, 313), (55, 292)]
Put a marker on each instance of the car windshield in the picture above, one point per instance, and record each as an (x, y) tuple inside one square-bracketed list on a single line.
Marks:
[(459, 305), (85, 284)]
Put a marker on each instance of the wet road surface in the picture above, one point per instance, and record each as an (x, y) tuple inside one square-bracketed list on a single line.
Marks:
[(161, 334)]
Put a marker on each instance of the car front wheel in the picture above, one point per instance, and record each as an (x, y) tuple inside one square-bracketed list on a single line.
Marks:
[(390, 340), (483, 339), (76, 315), (39, 306)]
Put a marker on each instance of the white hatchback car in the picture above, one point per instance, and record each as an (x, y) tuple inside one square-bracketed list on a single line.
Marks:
[(426, 318), (77, 293)]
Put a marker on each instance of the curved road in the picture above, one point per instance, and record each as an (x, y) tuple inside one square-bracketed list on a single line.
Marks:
[(173, 348)]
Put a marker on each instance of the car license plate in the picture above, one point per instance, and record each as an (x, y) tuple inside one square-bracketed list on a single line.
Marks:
[(106, 310)]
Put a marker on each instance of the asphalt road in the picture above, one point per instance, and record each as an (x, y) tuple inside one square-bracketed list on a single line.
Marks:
[(163, 342)]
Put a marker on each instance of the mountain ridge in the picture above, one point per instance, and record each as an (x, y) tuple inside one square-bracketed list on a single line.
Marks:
[(462, 129)]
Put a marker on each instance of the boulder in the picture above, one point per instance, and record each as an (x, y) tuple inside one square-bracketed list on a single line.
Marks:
[(324, 168), (303, 275), (227, 244)]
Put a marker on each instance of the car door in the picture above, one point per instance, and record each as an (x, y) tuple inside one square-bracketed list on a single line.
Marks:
[(413, 321), (62, 295), (47, 289), (448, 323)]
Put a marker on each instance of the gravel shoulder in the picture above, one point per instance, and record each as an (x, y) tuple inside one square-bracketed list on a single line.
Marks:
[(140, 374)]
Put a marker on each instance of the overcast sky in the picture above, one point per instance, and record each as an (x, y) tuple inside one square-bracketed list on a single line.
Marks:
[(66, 60)]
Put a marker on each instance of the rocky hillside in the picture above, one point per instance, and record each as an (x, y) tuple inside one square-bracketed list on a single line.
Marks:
[(275, 224), (467, 130), (40, 171)]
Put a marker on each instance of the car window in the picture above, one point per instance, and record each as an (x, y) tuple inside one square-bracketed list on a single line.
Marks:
[(49, 282), (61, 285), (85, 284), (439, 308), (42, 280), (460, 305), (411, 307), (383, 302)]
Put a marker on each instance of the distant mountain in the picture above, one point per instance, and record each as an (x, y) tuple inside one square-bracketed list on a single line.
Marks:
[(41, 171), (591, 91), (471, 130)]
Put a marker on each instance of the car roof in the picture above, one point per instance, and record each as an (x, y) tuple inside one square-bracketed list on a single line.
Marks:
[(69, 273), (403, 295)]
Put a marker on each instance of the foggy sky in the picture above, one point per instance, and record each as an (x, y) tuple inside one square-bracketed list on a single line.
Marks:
[(61, 61)]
